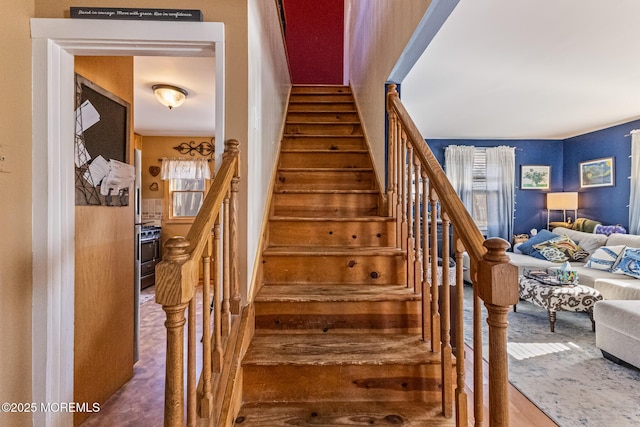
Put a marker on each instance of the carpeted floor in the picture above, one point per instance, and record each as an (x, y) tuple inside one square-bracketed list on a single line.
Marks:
[(563, 373)]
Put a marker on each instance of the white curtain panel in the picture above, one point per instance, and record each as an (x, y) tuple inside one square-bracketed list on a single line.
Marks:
[(634, 196), (185, 169), (501, 167), (458, 160)]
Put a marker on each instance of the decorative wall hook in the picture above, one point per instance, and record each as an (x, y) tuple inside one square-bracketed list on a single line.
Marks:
[(205, 148)]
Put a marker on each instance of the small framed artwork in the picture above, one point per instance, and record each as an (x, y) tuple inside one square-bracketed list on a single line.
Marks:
[(535, 177), (597, 173)]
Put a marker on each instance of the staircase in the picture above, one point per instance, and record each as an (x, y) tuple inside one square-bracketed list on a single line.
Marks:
[(337, 331)]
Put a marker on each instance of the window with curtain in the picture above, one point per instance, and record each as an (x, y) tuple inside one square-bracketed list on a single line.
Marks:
[(484, 178), (188, 182), (466, 169)]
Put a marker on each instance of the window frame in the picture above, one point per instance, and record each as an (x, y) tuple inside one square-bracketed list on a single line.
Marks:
[(169, 216)]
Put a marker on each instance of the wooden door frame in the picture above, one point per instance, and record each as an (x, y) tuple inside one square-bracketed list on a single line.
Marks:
[(55, 42)]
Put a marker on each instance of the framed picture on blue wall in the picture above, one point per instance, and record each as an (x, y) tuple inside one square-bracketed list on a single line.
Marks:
[(597, 173), (535, 177)]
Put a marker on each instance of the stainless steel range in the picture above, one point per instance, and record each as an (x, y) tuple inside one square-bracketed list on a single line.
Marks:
[(149, 254)]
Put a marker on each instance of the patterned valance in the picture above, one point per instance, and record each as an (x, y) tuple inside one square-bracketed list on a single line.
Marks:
[(185, 169)]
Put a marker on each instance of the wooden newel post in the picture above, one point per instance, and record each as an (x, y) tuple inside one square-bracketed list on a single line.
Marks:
[(170, 294), (498, 289)]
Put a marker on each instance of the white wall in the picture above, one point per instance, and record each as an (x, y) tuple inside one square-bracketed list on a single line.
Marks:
[(269, 86), (378, 31)]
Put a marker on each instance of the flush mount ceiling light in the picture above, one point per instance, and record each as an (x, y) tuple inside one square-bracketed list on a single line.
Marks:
[(169, 96)]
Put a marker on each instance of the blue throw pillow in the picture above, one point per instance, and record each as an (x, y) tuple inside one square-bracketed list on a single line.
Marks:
[(542, 236), (630, 263)]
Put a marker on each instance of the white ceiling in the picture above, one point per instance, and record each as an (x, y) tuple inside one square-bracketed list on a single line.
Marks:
[(548, 69), (196, 117)]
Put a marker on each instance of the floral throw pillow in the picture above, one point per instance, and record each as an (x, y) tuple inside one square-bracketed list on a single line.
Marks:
[(560, 249), (605, 257), (629, 263)]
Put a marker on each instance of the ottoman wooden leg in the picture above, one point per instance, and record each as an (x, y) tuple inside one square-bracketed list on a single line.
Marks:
[(552, 320), (593, 322)]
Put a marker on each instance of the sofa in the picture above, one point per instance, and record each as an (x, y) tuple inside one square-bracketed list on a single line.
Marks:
[(612, 283), (617, 333)]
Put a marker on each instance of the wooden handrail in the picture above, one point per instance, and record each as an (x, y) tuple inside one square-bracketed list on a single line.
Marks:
[(469, 233), (494, 278), (177, 277)]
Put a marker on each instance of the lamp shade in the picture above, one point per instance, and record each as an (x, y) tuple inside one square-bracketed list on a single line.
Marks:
[(169, 96), (562, 201)]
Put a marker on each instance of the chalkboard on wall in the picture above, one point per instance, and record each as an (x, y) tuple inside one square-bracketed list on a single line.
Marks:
[(108, 137)]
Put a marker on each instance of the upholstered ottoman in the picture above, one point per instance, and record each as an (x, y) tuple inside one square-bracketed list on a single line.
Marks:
[(618, 330), (556, 298)]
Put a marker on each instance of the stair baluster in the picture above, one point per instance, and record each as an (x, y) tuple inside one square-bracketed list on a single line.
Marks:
[(410, 244), (445, 323), (435, 297), (426, 261), (461, 394)]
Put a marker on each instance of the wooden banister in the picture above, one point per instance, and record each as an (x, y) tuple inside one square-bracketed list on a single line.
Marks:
[(494, 278), (178, 276)]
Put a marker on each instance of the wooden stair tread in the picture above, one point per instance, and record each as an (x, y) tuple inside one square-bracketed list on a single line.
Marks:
[(337, 349), (331, 250), (342, 414), (332, 219), (314, 111), (324, 191), (298, 169), (320, 135), (321, 151), (323, 292)]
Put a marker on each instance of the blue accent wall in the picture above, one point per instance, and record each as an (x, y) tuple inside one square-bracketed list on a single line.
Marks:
[(609, 205)]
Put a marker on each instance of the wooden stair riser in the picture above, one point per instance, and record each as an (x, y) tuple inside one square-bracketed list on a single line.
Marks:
[(323, 98), (380, 269), (328, 159), (321, 116), (351, 383), (325, 204), (307, 106), (343, 179), (338, 317), (315, 89), (323, 129), (332, 233), (334, 143)]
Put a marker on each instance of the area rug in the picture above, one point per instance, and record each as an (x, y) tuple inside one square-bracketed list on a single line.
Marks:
[(562, 372)]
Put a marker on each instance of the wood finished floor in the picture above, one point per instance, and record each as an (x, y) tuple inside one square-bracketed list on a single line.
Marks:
[(139, 403)]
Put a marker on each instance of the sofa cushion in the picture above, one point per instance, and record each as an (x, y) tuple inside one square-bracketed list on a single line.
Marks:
[(528, 262), (542, 236), (587, 241), (620, 288), (605, 258), (630, 240), (629, 263), (623, 316)]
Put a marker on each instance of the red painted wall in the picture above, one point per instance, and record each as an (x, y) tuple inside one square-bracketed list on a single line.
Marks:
[(315, 40)]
